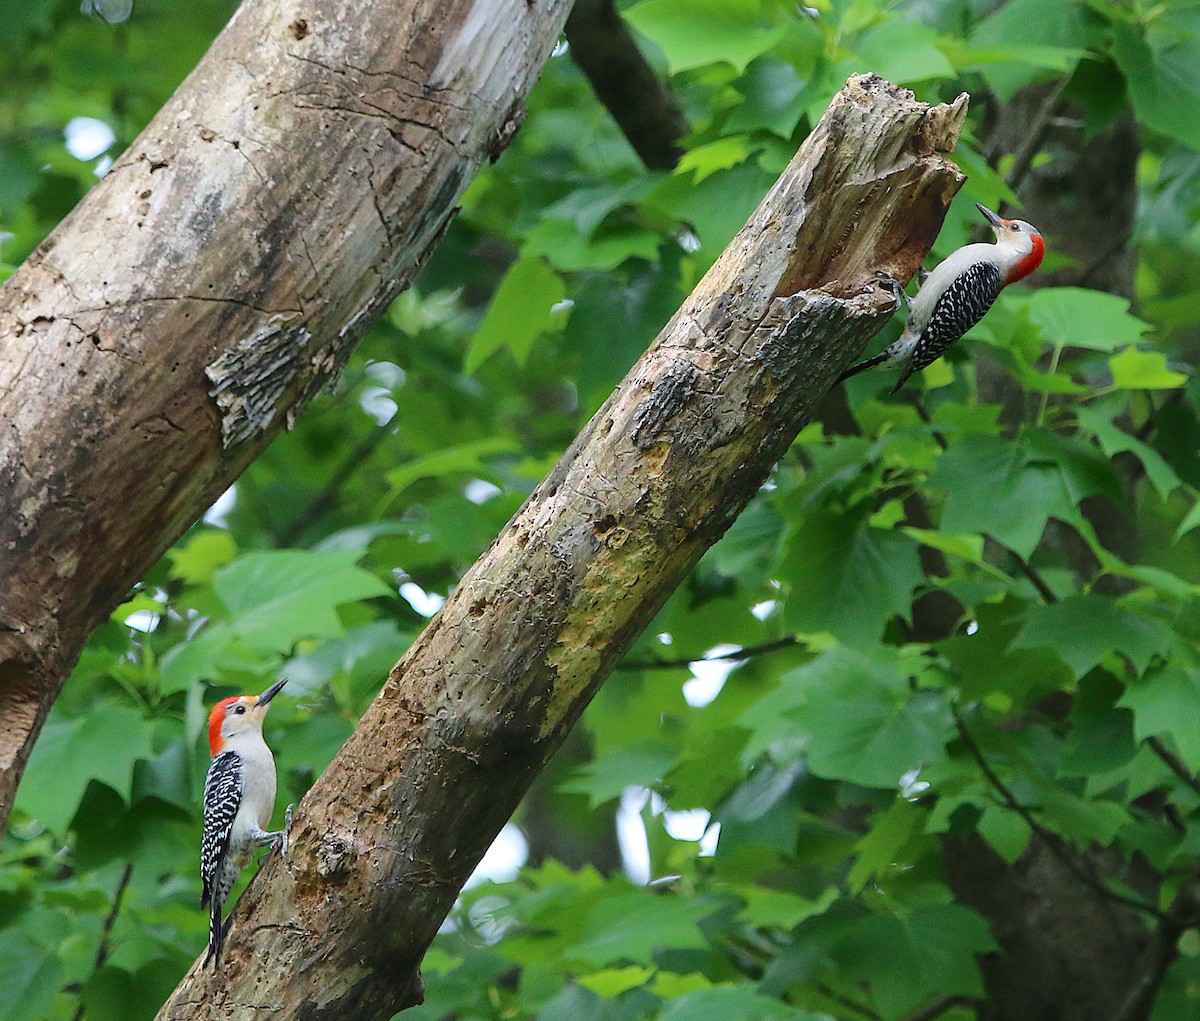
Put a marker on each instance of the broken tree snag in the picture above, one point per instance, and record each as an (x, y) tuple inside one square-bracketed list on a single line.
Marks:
[(383, 842), (215, 280)]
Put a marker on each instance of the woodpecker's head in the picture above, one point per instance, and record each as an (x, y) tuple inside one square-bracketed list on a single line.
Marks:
[(242, 714), (1020, 243)]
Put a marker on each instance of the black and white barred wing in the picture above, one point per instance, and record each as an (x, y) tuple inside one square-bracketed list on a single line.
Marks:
[(959, 308), (222, 796)]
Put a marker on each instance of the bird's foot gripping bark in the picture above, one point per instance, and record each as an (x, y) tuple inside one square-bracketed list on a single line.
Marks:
[(278, 841), (894, 285)]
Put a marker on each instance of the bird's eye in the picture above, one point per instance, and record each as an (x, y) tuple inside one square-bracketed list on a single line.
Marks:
[(239, 709)]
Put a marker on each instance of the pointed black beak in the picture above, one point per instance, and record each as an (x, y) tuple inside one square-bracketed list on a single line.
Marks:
[(271, 692), (992, 218)]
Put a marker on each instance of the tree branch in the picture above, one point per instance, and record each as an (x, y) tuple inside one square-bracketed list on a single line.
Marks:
[(214, 281), (1048, 838), (643, 106), (387, 836)]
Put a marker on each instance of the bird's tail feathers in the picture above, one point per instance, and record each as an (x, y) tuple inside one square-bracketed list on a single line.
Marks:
[(862, 366)]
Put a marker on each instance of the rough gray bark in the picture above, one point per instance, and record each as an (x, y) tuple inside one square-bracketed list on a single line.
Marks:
[(218, 277), (387, 836)]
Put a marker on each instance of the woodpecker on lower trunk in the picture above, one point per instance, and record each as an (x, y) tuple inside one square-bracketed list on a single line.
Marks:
[(955, 296), (239, 797)]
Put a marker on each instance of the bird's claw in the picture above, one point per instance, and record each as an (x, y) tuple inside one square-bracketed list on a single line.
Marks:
[(287, 830), (893, 285)]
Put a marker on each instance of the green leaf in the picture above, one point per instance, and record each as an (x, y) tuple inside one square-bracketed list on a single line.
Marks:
[(1114, 440), (1083, 629), (614, 981), (104, 745), (1162, 73), (991, 489), (846, 577), (964, 547), (463, 459), (521, 310), (907, 961), (1167, 702), (722, 154), (197, 560), (877, 852), (774, 98), (633, 926), (1076, 317), (30, 976), (1005, 830), (860, 720), (986, 663), (902, 51), (1144, 370), (693, 33), (731, 1003), (639, 764)]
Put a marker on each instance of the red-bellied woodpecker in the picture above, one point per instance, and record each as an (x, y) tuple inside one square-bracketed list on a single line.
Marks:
[(239, 797), (955, 296)]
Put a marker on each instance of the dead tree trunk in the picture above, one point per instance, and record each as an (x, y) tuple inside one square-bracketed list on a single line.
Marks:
[(215, 280), (390, 832)]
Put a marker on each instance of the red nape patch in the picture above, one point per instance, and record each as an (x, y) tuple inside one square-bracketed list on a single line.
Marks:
[(1031, 262), (215, 719)]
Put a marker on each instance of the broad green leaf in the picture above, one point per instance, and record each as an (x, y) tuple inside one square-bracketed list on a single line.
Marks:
[(1005, 830), (693, 33), (846, 577), (277, 597), (640, 764), (1084, 820), (1034, 35), (1083, 629), (104, 745), (197, 560), (1162, 73), (907, 961), (767, 907), (992, 489), (774, 98), (463, 459), (613, 981), (731, 1003), (985, 662), (965, 547), (877, 851), (1144, 370), (722, 154), (1167, 703), (30, 976), (902, 51), (1114, 440), (1076, 317), (633, 926), (858, 717), (521, 310)]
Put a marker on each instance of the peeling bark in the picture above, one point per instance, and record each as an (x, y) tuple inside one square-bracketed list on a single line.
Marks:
[(384, 841), (215, 280)]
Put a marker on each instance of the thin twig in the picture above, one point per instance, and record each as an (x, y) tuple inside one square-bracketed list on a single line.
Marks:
[(745, 652), (1046, 836), (103, 950), (1174, 763), (845, 1001), (939, 1007), (1031, 573)]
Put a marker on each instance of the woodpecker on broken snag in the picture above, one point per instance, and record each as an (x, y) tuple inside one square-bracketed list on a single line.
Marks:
[(955, 296), (239, 797)]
